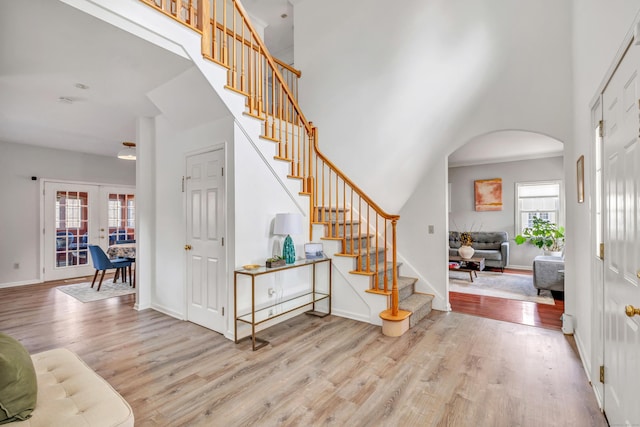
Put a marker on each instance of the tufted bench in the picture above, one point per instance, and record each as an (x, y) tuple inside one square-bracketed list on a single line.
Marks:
[(71, 394)]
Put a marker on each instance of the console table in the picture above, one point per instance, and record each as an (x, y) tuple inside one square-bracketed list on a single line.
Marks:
[(294, 302)]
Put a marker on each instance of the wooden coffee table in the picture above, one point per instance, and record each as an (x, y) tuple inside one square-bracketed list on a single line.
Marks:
[(470, 265)]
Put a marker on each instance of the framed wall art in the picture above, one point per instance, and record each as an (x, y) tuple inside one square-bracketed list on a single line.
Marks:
[(488, 194)]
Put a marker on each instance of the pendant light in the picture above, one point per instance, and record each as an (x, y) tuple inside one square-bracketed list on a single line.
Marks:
[(128, 152)]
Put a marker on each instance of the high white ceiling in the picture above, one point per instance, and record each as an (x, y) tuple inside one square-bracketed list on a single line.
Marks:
[(277, 15), (47, 50)]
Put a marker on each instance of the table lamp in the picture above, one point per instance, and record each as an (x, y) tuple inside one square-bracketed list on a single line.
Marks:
[(287, 224)]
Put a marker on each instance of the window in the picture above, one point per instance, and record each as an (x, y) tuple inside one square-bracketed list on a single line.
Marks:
[(131, 213), (69, 210), (537, 199), (115, 213)]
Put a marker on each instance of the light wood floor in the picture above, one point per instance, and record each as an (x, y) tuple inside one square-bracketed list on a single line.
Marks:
[(450, 370)]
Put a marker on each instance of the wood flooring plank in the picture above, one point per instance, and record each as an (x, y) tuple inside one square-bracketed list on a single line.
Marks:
[(451, 369)]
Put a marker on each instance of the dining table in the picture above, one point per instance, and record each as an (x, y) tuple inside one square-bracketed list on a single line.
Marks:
[(124, 250)]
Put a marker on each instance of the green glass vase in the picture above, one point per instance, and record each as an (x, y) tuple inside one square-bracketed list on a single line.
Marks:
[(289, 251)]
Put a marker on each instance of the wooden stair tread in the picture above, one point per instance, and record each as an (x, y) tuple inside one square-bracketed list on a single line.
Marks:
[(268, 138)]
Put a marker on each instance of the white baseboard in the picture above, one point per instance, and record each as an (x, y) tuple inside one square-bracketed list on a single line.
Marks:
[(21, 283), (520, 267), (586, 365), (350, 315), (167, 311)]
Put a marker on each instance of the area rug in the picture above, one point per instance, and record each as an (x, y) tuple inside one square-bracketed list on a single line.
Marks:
[(501, 285), (85, 293)]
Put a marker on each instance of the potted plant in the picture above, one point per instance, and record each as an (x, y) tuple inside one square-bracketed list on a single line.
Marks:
[(275, 261), (544, 234)]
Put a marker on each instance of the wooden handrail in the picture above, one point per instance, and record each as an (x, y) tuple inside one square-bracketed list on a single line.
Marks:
[(248, 43), (304, 120), (288, 67), (252, 71), (350, 182), (271, 62)]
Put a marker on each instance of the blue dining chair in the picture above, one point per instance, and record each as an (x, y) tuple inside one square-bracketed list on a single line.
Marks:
[(101, 262), (133, 260)]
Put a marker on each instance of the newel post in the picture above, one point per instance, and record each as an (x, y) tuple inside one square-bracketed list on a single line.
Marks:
[(394, 288)]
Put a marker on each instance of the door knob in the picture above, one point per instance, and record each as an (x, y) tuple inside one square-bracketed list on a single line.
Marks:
[(631, 311), (638, 274), (187, 247)]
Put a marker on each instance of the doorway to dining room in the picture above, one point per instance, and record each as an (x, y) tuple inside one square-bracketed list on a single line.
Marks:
[(75, 215)]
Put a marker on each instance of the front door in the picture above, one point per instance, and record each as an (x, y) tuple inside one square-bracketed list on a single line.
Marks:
[(206, 259), (622, 242)]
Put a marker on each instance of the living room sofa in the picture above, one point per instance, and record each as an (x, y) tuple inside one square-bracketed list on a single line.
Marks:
[(493, 246)]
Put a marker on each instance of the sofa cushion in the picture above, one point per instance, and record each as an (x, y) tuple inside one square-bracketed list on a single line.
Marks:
[(487, 254), (18, 383)]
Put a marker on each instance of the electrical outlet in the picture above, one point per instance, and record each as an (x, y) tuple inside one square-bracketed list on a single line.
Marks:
[(16, 265), (272, 292)]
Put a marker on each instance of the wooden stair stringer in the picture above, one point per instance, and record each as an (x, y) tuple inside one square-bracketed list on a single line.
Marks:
[(268, 150)]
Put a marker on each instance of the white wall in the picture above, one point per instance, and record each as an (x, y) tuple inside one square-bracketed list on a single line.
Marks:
[(393, 86), (20, 213), (254, 195), (172, 145), (463, 212), (401, 88), (599, 29)]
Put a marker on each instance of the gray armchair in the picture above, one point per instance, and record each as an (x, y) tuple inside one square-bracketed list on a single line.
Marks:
[(548, 273)]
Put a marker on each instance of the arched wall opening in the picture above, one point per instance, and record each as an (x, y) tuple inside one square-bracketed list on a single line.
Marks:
[(514, 157)]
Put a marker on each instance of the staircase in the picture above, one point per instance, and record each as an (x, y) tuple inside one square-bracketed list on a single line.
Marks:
[(369, 259), (363, 235)]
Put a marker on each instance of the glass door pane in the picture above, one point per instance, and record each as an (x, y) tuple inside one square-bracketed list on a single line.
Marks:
[(121, 217), (72, 228)]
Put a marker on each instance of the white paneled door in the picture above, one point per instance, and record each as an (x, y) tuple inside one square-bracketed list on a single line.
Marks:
[(206, 257), (621, 166)]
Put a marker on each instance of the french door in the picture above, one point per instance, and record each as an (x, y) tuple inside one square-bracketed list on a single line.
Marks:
[(78, 215)]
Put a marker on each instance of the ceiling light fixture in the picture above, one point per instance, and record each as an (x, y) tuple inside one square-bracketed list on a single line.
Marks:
[(128, 152), (82, 86), (65, 100)]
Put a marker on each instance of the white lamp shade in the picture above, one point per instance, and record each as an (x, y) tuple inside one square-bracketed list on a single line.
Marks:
[(287, 223)]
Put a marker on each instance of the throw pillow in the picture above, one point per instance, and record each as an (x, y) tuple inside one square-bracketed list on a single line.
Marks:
[(18, 385)]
